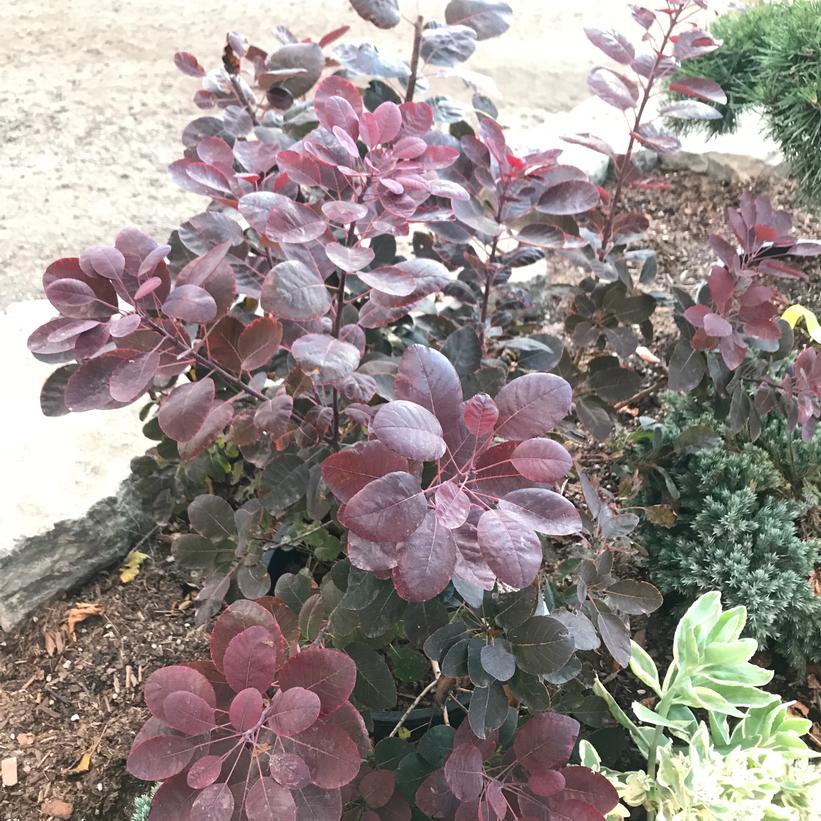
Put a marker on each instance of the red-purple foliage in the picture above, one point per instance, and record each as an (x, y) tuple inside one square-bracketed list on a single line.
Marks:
[(262, 731), (487, 496), (531, 780), (739, 308)]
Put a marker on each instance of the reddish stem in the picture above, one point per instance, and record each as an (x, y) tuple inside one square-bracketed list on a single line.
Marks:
[(622, 170)]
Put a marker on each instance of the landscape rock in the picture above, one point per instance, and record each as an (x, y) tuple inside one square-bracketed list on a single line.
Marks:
[(36, 569)]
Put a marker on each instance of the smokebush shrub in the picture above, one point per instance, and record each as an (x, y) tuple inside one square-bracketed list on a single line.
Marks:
[(743, 520)]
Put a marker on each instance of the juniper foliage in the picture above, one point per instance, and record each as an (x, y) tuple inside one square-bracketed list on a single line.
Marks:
[(771, 57), (739, 529)]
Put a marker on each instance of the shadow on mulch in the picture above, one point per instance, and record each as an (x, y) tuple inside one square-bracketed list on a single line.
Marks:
[(62, 699)]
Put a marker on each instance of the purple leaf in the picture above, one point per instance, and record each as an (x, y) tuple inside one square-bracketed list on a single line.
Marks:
[(214, 803), (184, 412), (258, 342), (134, 377), (328, 673), (543, 510), (569, 197), (410, 430), (584, 785), (486, 17), (329, 752), (122, 326), (218, 418), (465, 772), (510, 547), (71, 297), (160, 757), (246, 709), (592, 142), (267, 800), (289, 770), (532, 405), (188, 64), (293, 291), (614, 45), (480, 414), (349, 259), (293, 711), (545, 741), (237, 618), (176, 678), (188, 713), (377, 787), (426, 561), (377, 557), (325, 359), (452, 505), (343, 212), (388, 509), (700, 87), (389, 280), (205, 771), (541, 460), (272, 417), (348, 471), (690, 44), (104, 261), (546, 783), (290, 221), (428, 378), (615, 89), (657, 139), (190, 303), (690, 110), (251, 659)]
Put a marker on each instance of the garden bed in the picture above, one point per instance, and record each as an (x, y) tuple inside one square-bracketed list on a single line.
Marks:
[(69, 707)]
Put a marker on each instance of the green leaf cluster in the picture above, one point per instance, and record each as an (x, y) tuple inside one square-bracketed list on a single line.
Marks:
[(747, 761)]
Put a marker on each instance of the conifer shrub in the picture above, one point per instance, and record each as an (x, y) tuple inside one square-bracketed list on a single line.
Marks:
[(742, 516), (770, 57)]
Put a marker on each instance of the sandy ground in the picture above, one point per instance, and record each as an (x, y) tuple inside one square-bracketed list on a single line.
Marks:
[(91, 105)]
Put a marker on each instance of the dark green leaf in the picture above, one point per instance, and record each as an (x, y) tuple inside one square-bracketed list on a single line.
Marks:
[(488, 709), (388, 752), (421, 619), (635, 598), (541, 645), (440, 641), (294, 589), (375, 687), (436, 744)]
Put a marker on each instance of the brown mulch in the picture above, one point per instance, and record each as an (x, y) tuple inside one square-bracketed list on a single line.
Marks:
[(69, 708)]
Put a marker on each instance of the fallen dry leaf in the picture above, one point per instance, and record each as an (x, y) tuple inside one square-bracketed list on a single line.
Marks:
[(55, 641), (56, 808), (25, 739), (81, 612), (82, 766), (815, 582), (131, 566), (798, 709)]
